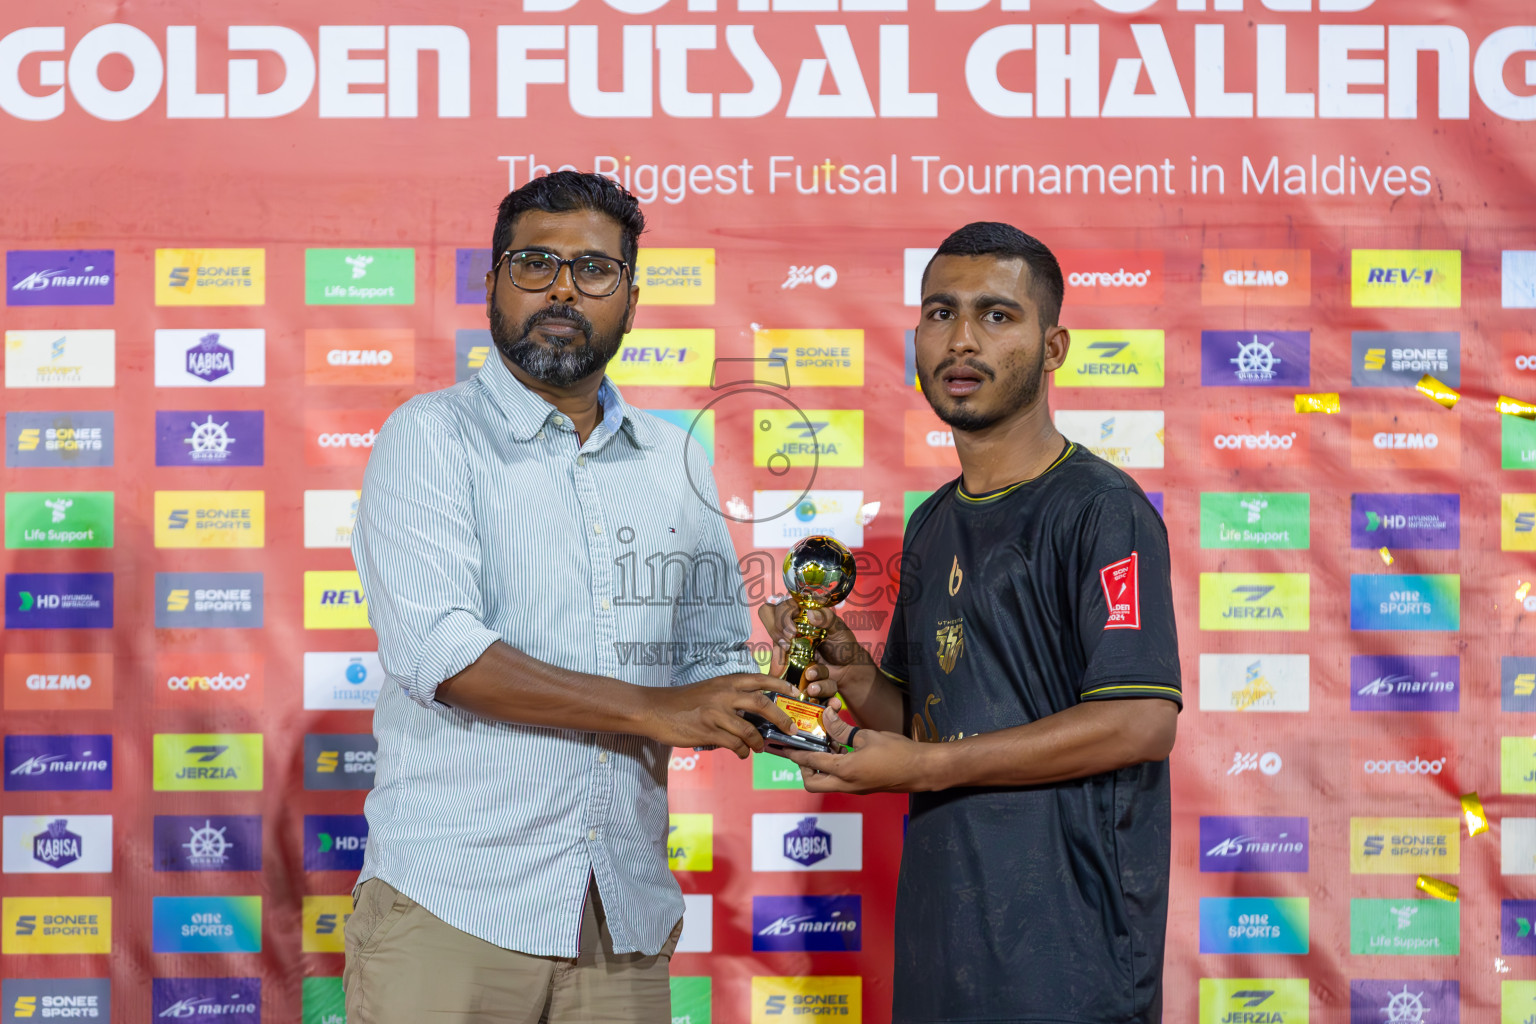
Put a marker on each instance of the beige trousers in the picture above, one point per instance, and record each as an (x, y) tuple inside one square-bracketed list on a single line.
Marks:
[(405, 966)]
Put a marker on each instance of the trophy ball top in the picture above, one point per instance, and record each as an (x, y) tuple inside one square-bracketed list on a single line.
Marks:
[(819, 571)]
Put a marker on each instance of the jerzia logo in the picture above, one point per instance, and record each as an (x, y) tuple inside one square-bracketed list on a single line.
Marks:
[(1259, 601)]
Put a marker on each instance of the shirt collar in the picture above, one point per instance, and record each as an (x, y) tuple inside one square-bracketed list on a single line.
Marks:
[(528, 413)]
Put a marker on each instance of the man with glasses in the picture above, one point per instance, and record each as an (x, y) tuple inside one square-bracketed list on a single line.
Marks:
[(516, 865)]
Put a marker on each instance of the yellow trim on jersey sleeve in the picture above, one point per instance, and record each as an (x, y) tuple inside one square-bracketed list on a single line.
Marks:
[(1133, 686)]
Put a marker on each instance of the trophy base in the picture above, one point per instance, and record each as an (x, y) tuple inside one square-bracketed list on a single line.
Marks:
[(777, 740)]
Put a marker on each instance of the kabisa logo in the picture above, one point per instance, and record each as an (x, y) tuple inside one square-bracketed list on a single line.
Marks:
[(1251, 843), (1113, 359), (55, 924), (807, 844), (203, 358), (44, 844), (1407, 682), (1254, 925), (334, 842), (821, 997), (210, 360), (1397, 359), (1256, 277), (359, 277), (208, 600), (339, 760), (229, 1000), (38, 439), (1405, 602), (207, 924), (1405, 521), (207, 761), (813, 358), (219, 842), (787, 439), (799, 842), (1256, 601), (1404, 927), (61, 600), (1408, 1002), (673, 356), (1253, 1001), (807, 924), (59, 277), (1112, 277), (1256, 359), (50, 763), (1404, 846), (1405, 279), (210, 277), (23, 1000), (209, 437), (341, 680)]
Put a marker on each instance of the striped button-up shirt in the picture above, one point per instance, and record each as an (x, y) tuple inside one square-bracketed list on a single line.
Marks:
[(484, 518)]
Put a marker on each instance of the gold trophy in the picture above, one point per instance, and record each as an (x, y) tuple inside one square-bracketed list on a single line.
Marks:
[(819, 573)]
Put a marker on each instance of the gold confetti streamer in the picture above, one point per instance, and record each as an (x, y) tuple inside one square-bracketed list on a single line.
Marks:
[(1386, 556), (1515, 407), (1523, 589), (1438, 889), (1438, 391), (1322, 402), (1472, 811)]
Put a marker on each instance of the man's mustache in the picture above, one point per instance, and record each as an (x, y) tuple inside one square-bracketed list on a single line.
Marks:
[(558, 311)]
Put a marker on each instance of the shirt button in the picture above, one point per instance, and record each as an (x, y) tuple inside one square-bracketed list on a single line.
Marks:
[(602, 758), (559, 421), (539, 435), (597, 527), (591, 833), (581, 460), (606, 604)]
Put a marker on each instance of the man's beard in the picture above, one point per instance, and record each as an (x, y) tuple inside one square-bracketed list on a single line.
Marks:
[(1021, 392), (559, 362)]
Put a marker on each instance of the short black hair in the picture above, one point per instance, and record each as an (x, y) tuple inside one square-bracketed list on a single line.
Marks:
[(567, 192), (993, 238)]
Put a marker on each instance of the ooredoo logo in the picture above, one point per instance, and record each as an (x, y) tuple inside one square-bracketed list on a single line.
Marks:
[(360, 357), (79, 681), (341, 437), (1418, 766), (1402, 765), (1113, 277), (1519, 362), (199, 679), (1239, 440), (690, 769), (1402, 441)]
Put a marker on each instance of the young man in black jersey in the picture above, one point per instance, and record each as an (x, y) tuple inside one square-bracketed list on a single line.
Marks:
[(1029, 691)]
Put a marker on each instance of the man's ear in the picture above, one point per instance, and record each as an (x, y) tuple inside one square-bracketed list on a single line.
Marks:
[(1058, 340), (634, 305)]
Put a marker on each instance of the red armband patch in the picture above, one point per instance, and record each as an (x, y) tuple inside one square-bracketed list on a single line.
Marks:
[(1121, 595)]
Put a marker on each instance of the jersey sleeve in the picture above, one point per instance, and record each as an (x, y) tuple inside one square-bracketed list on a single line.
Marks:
[(896, 661), (1125, 601)]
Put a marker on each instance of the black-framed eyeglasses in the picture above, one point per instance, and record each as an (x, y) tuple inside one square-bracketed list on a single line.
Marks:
[(533, 270)]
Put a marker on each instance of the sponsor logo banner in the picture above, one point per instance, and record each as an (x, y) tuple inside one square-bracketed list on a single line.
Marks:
[(807, 842), (1377, 1001), (928, 440), (1517, 1002), (823, 996), (208, 600), (1248, 440), (780, 518), (1112, 359), (700, 425), (1517, 846), (325, 1002), (38, 764), (341, 437), (220, 762), (1256, 277), (770, 771), (333, 599), (341, 680), (34, 440), (469, 269), (208, 924), (55, 924), (1517, 683), (1254, 925), (1272, 520), (1274, 601), (698, 924), (1256, 359), (1519, 358), (60, 359), (359, 277), (1515, 932), (1404, 682), (1407, 927), (1128, 438), (1425, 522), (58, 519), (1111, 277), (46, 844), (1405, 279), (1397, 359), (210, 519), (1410, 766), (1253, 1000), (27, 1000), (360, 358), (1517, 522), (204, 680), (329, 517), (60, 277), (691, 769), (210, 437), (1518, 281), (913, 263), (230, 1000), (1255, 682), (471, 348), (1404, 846), (334, 842), (817, 924), (210, 277), (691, 842), (1405, 602), (910, 502), (691, 1000), (665, 357), (66, 681), (324, 920), (813, 358), (676, 277), (1517, 765), (1253, 843), (784, 439), (1517, 441), (58, 600), (203, 358), (208, 842), (339, 760)]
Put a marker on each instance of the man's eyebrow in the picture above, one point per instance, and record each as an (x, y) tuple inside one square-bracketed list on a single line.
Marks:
[(988, 301), (940, 299)]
